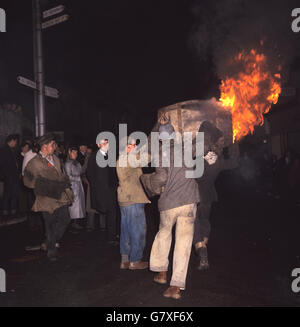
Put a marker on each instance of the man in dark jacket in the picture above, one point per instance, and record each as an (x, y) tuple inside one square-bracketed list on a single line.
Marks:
[(213, 165), (177, 205), (82, 153), (103, 184), (9, 171)]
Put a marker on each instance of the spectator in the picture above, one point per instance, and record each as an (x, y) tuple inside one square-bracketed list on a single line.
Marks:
[(44, 174), (90, 226), (103, 183), (74, 171), (82, 153), (295, 180), (10, 174)]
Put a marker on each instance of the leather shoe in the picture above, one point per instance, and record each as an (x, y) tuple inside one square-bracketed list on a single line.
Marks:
[(138, 265), (124, 265)]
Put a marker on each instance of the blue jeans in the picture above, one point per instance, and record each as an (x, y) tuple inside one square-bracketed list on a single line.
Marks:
[(133, 231)]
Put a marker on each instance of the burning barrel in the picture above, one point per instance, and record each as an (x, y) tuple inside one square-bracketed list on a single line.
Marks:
[(190, 116)]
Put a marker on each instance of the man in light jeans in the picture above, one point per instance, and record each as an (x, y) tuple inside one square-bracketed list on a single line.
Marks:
[(177, 205)]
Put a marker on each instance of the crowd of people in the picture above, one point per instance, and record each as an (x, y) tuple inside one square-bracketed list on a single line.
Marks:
[(273, 177), (65, 187)]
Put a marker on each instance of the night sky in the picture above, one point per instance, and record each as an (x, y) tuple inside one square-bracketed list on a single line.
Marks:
[(123, 59)]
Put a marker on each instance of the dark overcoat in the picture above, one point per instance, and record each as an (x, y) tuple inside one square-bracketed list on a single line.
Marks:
[(103, 183)]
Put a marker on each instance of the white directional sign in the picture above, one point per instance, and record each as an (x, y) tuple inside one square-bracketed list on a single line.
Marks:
[(26, 82), (55, 21), (53, 11), (49, 91)]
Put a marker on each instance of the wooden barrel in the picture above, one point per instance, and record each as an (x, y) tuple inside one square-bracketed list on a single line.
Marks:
[(188, 116)]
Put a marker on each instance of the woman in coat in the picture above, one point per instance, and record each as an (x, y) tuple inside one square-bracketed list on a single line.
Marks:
[(74, 171)]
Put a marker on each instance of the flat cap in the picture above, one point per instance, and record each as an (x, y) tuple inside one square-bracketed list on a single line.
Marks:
[(45, 139)]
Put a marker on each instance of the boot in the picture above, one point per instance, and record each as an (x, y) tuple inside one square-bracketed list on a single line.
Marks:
[(202, 253)]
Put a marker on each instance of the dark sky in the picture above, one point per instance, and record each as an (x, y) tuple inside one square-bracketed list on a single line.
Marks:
[(111, 56), (125, 59)]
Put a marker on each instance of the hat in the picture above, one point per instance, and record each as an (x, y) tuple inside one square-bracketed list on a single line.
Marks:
[(45, 139), (83, 142), (166, 132)]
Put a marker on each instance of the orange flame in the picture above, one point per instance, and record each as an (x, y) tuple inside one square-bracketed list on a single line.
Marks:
[(250, 94)]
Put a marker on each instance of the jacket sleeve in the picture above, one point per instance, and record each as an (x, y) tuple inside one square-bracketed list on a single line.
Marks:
[(84, 170), (233, 161), (29, 178), (90, 171), (68, 170), (154, 183)]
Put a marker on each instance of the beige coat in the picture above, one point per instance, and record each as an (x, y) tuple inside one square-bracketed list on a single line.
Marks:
[(130, 190), (51, 186)]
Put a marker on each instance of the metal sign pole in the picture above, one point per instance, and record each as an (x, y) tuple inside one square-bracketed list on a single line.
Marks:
[(40, 70), (36, 117)]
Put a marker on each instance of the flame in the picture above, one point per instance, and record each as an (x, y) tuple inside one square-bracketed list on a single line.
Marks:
[(251, 94)]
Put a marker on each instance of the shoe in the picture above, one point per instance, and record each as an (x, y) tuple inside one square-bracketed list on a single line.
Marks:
[(173, 292), (13, 221), (33, 248), (161, 277), (202, 253), (138, 265), (76, 226), (44, 246), (52, 256), (203, 264), (124, 265)]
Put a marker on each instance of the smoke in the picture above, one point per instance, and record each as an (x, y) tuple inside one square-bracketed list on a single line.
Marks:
[(225, 28)]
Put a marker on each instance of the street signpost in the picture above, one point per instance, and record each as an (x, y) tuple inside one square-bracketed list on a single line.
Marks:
[(53, 11), (49, 91), (55, 21), (40, 89)]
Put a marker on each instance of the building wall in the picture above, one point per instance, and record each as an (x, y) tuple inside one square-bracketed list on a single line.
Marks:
[(285, 129)]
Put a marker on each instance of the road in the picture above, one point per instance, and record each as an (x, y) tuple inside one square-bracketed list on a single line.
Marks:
[(253, 249)]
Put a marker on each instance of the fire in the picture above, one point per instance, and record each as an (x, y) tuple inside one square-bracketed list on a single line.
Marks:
[(250, 94)]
